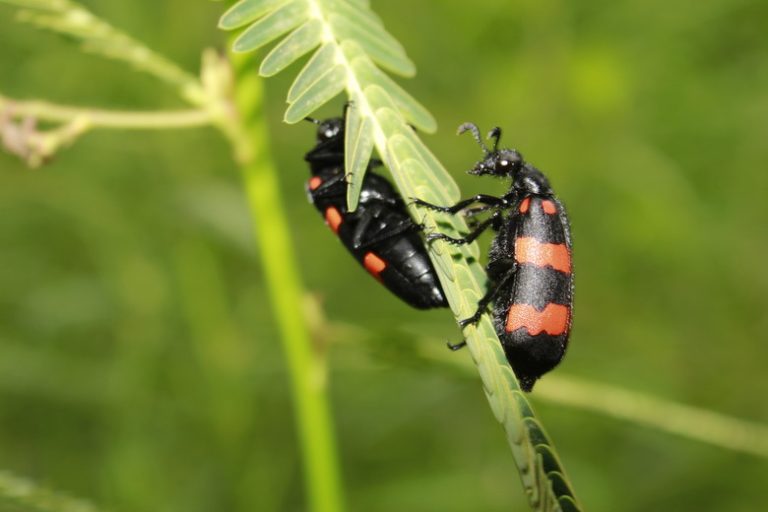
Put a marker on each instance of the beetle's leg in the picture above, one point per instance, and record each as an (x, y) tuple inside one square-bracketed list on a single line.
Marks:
[(479, 198), (470, 213), (492, 220), (333, 187), (492, 294), (362, 236)]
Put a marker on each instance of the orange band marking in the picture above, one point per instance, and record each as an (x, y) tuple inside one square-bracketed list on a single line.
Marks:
[(553, 319), (374, 265), (314, 182), (333, 218), (530, 250), (548, 207), (525, 205)]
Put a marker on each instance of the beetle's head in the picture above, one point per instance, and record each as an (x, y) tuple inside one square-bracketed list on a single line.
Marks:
[(328, 129), (502, 163)]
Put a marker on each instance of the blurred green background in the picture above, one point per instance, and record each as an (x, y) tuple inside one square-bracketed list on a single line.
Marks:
[(139, 364)]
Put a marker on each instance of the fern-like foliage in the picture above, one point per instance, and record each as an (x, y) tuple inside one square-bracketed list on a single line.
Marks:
[(351, 47), (349, 43)]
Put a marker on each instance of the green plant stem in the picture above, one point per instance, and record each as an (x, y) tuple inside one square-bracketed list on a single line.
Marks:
[(684, 420), (306, 364), (689, 422), (96, 118), (73, 20)]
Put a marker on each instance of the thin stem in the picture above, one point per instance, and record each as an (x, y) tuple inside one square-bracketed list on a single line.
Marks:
[(97, 36), (306, 364), (684, 420), (114, 119), (687, 421)]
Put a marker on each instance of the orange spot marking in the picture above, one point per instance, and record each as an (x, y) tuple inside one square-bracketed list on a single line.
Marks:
[(333, 218), (314, 182), (530, 250), (548, 207), (525, 205), (374, 265), (553, 319)]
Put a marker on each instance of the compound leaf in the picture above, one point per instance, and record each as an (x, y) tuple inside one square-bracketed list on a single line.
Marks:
[(353, 47)]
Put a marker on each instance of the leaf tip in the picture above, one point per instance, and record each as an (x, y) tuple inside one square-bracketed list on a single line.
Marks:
[(239, 47), (229, 21), (407, 68), (266, 71), (353, 198), (291, 118), (428, 125)]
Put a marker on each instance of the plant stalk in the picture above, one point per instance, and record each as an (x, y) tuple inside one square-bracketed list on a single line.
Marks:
[(306, 363), (97, 118)]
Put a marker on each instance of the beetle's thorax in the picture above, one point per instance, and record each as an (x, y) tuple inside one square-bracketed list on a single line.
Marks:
[(531, 181)]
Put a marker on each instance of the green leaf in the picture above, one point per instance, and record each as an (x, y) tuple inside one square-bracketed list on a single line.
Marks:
[(359, 138), (361, 15), (379, 45), (413, 111), (350, 35), (395, 128), (292, 48), (568, 504), (272, 26), (319, 64), (327, 87), (247, 11)]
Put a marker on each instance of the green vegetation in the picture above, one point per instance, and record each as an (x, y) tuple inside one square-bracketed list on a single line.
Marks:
[(141, 363)]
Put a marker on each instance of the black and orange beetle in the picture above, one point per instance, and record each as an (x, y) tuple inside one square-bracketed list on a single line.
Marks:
[(380, 233), (529, 262)]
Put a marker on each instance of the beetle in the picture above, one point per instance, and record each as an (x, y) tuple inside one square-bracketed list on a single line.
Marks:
[(380, 233), (529, 262)]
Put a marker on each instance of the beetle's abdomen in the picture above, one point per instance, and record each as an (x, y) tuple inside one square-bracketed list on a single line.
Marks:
[(409, 273), (537, 321), (396, 258)]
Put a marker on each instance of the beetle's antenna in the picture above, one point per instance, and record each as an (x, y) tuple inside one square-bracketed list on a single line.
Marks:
[(495, 134), (475, 131), (312, 120)]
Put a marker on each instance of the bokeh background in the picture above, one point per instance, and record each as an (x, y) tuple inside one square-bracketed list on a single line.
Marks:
[(139, 364)]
